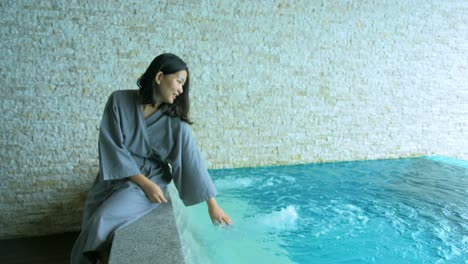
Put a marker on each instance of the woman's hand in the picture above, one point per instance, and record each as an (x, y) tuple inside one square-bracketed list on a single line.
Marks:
[(217, 214), (154, 192), (150, 188)]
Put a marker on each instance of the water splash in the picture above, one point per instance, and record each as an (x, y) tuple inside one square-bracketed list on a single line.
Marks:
[(285, 219)]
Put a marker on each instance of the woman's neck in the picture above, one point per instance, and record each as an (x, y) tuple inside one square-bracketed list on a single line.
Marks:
[(149, 109)]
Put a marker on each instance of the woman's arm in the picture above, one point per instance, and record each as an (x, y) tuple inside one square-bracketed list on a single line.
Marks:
[(115, 160), (151, 189)]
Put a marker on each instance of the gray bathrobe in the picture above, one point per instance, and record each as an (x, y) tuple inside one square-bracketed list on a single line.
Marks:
[(159, 147)]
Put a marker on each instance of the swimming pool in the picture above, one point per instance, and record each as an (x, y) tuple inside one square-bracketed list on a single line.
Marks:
[(411, 210)]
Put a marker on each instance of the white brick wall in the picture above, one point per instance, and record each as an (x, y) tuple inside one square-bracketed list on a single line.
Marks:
[(273, 82)]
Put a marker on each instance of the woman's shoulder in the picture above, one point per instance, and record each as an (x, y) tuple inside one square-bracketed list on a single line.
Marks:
[(123, 96)]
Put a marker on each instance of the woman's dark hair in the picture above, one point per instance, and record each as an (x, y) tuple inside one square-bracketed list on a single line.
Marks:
[(166, 63)]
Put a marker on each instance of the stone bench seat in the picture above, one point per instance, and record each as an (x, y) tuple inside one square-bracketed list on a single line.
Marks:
[(150, 240)]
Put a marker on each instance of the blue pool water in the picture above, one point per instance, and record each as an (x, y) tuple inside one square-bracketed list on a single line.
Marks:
[(386, 211)]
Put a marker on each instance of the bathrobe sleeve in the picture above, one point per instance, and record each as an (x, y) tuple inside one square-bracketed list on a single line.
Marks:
[(189, 172), (115, 161)]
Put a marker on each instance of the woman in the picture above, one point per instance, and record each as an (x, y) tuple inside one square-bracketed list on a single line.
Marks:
[(144, 142)]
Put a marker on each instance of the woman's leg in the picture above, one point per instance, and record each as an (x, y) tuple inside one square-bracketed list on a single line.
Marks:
[(120, 209)]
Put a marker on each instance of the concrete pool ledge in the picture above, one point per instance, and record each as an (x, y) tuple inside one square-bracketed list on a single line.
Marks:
[(152, 239)]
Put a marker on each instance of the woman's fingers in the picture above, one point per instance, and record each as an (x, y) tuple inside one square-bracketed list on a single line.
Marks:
[(162, 198), (155, 194), (221, 220), (158, 198), (227, 220), (216, 220)]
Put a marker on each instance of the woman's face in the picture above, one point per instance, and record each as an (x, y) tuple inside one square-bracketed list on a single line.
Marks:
[(170, 86)]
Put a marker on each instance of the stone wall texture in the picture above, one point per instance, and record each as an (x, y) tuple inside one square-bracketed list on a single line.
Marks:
[(273, 82)]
